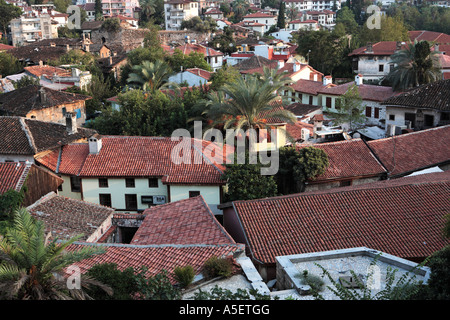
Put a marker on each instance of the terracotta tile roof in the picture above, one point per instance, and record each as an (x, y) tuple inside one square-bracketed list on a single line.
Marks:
[(259, 15), (156, 257), (294, 130), (308, 86), (301, 109), (431, 36), (366, 91), (444, 61), (188, 221), (4, 47), (435, 95), (28, 137), (138, 157), (402, 220), (413, 151), (255, 64), (12, 175), (347, 159), (47, 71), (36, 54), (65, 218), (201, 73), (21, 101), (382, 48)]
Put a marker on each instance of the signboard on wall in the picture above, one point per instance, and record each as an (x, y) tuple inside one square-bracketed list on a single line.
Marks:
[(153, 199)]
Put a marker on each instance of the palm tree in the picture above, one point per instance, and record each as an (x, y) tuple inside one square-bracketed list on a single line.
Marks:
[(33, 269), (248, 103), (292, 12), (151, 76), (148, 8), (414, 66)]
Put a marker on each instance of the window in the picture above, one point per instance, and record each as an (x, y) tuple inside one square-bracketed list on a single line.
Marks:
[(129, 183), (105, 199), (102, 182), (328, 102), (445, 116), (381, 68), (131, 202), (153, 182), (376, 113), (345, 183), (194, 194), (368, 112), (392, 117), (75, 184), (64, 111)]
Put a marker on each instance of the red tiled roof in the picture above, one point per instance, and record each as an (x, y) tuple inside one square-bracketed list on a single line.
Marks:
[(155, 257), (47, 71), (413, 151), (200, 72), (402, 220), (308, 86), (188, 221), (431, 36), (65, 218), (348, 158), (366, 91), (140, 157), (435, 95), (294, 130), (383, 48), (12, 175), (5, 47), (259, 15)]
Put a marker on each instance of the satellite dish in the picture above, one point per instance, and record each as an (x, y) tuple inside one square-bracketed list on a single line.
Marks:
[(357, 135)]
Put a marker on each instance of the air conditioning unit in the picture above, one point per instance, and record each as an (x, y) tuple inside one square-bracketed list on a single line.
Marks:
[(305, 134)]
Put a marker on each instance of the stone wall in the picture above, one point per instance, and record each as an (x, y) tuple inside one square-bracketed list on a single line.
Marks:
[(124, 39), (168, 37)]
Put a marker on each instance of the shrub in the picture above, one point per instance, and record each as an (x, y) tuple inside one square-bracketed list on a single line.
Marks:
[(315, 282), (215, 267), (184, 275)]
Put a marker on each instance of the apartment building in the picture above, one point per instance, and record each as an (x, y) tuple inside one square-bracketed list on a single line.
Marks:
[(27, 29), (119, 7), (178, 10)]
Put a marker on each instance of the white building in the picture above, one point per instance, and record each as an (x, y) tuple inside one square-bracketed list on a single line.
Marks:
[(299, 24), (193, 77), (28, 29), (176, 11), (305, 5), (267, 20)]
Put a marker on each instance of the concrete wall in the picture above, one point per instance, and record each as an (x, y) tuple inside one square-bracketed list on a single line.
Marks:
[(337, 184)]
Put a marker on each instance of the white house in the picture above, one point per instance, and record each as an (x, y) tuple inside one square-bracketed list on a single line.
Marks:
[(299, 24), (178, 10), (131, 174), (304, 5), (192, 76), (265, 19)]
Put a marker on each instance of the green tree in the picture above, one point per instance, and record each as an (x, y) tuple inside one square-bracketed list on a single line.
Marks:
[(240, 8), (192, 60), (122, 282), (414, 66), (151, 76), (111, 24), (226, 74), (292, 12), (245, 182), (7, 13), (224, 42), (148, 9), (98, 8), (10, 201), (33, 269), (391, 29), (157, 287), (249, 103), (197, 24), (281, 22), (9, 64), (25, 81), (438, 287), (296, 167), (350, 109)]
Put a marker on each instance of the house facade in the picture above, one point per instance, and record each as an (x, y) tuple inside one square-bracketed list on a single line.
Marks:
[(420, 108), (176, 11), (263, 19), (27, 29), (131, 174)]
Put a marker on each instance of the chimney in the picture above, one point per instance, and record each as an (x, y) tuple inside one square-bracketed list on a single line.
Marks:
[(369, 47), (280, 64), (42, 95), (398, 45), (327, 80), (110, 60), (359, 79), (296, 66), (67, 48), (95, 144), (71, 123)]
